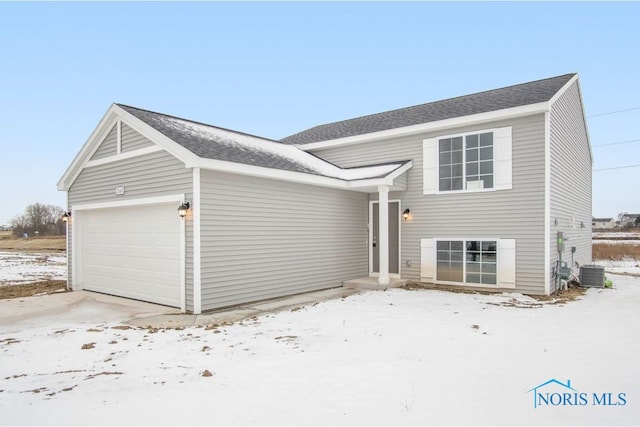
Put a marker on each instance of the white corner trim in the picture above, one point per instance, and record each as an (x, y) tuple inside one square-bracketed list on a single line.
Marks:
[(547, 202), (129, 202), (68, 244), (183, 263), (507, 113), (75, 249), (197, 250), (123, 156)]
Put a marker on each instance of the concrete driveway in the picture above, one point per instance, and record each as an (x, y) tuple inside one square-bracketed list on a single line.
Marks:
[(83, 307), (73, 308)]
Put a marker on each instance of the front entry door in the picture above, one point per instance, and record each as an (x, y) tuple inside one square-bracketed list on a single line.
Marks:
[(394, 238)]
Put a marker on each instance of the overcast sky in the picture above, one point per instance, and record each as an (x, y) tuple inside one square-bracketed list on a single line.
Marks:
[(273, 69)]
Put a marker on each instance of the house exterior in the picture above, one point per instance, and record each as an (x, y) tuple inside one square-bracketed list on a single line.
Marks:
[(469, 191), (603, 223), (628, 220)]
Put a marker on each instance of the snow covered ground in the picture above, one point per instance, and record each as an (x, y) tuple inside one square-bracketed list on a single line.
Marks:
[(616, 234), (618, 242), (384, 358), (22, 268)]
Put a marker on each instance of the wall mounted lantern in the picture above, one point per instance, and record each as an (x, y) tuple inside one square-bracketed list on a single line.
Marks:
[(66, 216), (183, 208), (405, 214)]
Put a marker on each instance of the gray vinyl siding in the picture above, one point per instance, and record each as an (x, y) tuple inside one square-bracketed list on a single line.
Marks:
[(132, 140), (150, 175), (264, 238), (510, 214), (108, 146), (570, 187)]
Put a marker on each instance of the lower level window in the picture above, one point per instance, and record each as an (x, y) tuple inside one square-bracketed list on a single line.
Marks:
[(467, 261)]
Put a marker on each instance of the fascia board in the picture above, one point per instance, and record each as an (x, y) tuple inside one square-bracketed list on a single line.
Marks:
[(562, 90), (89, 147), (113, 114), (297, 177), (584, 118), (508, 113)]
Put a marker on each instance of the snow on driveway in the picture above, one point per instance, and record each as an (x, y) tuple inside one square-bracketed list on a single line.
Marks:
[(386, 358), (22, 268)]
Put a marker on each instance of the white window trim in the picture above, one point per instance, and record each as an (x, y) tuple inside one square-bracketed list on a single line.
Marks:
[(464, 164), (124, 156), (464, 264)]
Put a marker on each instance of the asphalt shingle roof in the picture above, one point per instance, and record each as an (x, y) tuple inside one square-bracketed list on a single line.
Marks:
[(211, 142), (482, 102)]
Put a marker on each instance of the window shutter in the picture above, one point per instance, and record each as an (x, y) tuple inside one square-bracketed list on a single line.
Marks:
[(503, 162), (429, 166), (507, 263), (428, 260)]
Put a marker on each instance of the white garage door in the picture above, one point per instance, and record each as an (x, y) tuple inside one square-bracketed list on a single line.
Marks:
[(131, 252)]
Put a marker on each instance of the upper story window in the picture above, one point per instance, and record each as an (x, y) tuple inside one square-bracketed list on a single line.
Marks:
[(466, 162), (473, 161)]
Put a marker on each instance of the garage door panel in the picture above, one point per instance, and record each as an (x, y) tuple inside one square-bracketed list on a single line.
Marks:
[(132, 252)]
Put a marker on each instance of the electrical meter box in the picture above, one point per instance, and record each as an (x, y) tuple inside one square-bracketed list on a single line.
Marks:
[(560, 241)]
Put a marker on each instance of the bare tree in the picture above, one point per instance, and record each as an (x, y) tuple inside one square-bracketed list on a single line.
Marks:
[(46, 220)]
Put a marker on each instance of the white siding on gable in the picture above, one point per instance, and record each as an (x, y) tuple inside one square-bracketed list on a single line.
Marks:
[(108, 147), (132, 140), (570, 180)]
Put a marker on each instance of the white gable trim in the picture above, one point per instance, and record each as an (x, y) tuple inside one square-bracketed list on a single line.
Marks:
[(116, 114), (175, 149), (111, 118), (123, 156), (508, 113), (561, 92), (119, 136), (90, 146)]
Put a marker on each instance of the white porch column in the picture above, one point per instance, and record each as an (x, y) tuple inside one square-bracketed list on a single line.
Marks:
[(383, 233)]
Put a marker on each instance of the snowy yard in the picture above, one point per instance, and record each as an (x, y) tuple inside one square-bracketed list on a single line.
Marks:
[(22, 268), (394, 357)]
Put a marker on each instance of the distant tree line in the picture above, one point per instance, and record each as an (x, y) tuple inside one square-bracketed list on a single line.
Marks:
[(39, 219)]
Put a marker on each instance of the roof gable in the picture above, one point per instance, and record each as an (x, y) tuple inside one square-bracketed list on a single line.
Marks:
[(482, 102), (212, 142), (201, 145)]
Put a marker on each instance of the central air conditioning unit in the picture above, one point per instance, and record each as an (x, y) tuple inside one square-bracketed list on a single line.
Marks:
[(592, 276)]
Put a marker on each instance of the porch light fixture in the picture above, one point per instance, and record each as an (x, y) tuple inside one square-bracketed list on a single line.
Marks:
[(405, 214), (183, 208), (66, 216)]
